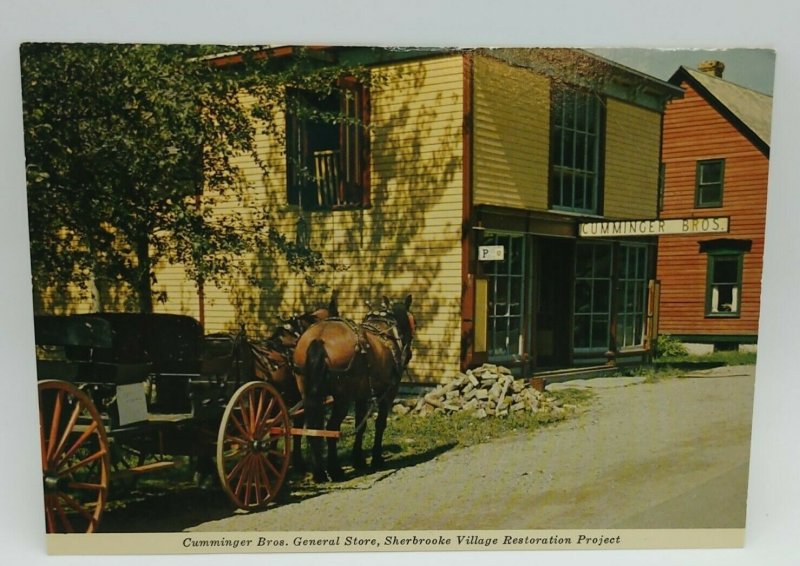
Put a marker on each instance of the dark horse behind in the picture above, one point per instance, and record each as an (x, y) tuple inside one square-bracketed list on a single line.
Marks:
[(355, 363)]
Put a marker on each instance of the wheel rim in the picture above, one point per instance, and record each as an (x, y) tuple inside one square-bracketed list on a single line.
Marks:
[(254, 445), (75, 458)]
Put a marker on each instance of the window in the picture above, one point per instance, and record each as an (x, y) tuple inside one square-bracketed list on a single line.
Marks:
[(710, 176), (632, 295), (327, 148), (592, 296), (506, 297), (723, 294), (575, 176)]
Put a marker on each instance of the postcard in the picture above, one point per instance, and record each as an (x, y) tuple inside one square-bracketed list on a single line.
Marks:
[(343, 298)]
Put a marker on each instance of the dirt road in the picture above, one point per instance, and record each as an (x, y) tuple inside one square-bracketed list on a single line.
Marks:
[(672, 454)]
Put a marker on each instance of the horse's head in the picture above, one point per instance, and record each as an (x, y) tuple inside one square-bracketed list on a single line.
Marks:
[(401, 312)]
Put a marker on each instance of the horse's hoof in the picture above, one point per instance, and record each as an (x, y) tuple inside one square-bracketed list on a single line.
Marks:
[(377, 463), (320, 477), (360, 463), (336, 474)]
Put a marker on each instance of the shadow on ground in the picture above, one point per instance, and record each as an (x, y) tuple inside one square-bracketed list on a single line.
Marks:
[(178, 506)]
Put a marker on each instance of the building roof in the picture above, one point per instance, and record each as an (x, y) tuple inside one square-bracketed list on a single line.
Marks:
[(750, 110), (583, 68)]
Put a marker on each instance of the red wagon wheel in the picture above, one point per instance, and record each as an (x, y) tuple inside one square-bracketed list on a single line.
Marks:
[(254, 445), (75, 458)]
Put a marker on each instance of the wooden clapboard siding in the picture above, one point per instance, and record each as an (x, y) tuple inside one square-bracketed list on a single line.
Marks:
[(695, 130), (408, 242), (511, 144), (633, 140)]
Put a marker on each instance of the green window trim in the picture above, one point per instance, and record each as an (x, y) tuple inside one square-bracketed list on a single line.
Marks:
[(724, 284), (709, 183)]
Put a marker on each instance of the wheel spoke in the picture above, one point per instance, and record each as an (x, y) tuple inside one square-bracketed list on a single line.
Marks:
[(242, 475), (62, 515), (77, 507), (48, 514), (88, 460), (51, 442), (236, 440), (266, 420), (239, 426), (249, 480), (74, 448), (264, 475), (73, 419), (258, 414), (237, 468)]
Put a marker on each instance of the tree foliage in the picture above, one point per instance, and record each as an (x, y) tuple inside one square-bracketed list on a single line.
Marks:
[(129, 149)]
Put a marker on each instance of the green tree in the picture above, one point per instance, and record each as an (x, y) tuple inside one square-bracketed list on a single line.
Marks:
[(121, 141)]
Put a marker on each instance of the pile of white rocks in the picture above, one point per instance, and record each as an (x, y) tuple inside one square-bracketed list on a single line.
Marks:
[(486, 391)]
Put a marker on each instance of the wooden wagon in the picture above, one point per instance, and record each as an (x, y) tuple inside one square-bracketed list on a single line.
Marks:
[(121, 393)]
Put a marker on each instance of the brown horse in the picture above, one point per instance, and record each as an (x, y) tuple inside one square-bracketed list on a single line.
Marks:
[(273, 362), (358, 363), (268, 360)]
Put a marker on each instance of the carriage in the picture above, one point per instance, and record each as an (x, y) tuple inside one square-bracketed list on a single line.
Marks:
[(122, 394)]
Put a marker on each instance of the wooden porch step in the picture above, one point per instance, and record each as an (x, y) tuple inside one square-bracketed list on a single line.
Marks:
[(587, 372)]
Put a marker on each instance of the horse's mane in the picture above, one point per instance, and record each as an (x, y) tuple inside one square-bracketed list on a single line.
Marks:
[(400, 316)]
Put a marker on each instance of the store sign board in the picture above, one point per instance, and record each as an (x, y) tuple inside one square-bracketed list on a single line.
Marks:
[(671, 226), (491, 253)]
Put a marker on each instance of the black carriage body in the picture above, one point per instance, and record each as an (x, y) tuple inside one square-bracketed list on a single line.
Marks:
[(188, 377)]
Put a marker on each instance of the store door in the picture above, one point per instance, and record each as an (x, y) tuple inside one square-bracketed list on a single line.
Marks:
[(553, 302)]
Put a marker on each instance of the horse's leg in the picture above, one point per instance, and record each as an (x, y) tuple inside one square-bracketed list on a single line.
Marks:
[(315, 418), (338, 413), (362, 406), (380, 426)]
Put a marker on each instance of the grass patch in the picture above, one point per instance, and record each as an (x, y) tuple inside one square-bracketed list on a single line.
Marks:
[(414, 438), (730, 358)]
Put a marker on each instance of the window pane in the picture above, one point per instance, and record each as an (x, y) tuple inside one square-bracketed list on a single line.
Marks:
[(711, 172), (602, 296), (726, 270), (599, 332), (603, 261), (583, 296), (582, 323)]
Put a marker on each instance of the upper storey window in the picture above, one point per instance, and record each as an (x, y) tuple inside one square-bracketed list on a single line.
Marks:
[(709, 181), (327, 148), (577, 126)]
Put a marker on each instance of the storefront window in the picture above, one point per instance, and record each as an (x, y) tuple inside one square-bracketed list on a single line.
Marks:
[(632, 295), (592, 296), (506, 297)]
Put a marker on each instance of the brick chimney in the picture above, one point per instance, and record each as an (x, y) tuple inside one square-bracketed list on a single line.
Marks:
[(712, 67)]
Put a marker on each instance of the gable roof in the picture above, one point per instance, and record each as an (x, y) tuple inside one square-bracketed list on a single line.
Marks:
[(749, 110)]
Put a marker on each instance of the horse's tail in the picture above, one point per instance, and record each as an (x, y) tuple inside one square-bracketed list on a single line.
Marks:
[(315, 373)]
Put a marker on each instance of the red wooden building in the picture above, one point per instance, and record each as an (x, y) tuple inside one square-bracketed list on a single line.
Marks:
[(715, 156)]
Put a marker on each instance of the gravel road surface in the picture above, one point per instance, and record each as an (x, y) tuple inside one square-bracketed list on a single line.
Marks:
[(671, 454)]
